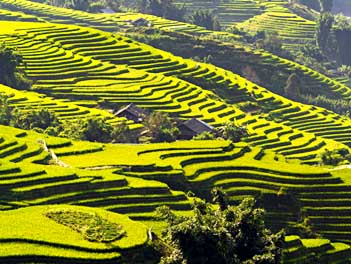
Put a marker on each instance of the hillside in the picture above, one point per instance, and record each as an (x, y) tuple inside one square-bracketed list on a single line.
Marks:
[(84, 66)]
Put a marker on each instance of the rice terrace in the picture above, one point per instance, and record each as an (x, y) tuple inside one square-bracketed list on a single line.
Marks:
[(175, 131)]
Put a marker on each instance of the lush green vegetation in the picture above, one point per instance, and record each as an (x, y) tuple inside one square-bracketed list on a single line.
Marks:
[(251, 82)]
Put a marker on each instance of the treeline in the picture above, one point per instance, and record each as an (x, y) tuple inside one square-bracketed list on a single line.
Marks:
[(162, 8)]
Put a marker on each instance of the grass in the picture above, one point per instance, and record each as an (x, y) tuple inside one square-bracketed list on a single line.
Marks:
[(30, 226)]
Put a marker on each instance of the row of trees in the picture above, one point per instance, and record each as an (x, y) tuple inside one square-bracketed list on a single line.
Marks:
[(162, 8), (158, 127)]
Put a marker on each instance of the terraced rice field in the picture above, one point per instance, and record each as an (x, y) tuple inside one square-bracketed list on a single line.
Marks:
[(119, 71), (76, 67)]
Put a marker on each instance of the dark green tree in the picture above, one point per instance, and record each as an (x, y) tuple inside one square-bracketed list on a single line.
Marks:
[(228, 235), (95, 130), (233, 132), (5, 110), (292, 88), (30, 119), (324, 32), (161, 128), (205, 18), (121, 133), (164, 8), (10, 74)]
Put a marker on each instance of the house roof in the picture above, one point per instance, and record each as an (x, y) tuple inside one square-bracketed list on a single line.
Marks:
[(198, 126), (132, 109), (140, 20)]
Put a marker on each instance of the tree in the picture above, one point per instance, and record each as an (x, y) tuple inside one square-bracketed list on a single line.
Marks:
[(164, 8), (324, 32), (224, 236), (271, 42), (121, 133), (5, 110), (95, 130), (233, 132), (292, 88), (204, 136), (205, 18), (30, 119), (10, 74), (161, 128)]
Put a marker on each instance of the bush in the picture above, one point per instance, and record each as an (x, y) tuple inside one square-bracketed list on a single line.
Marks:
[(225, 235), (161, 128), (204, 136), (121, 133), (335, 157), (10, 74), (233, 132)]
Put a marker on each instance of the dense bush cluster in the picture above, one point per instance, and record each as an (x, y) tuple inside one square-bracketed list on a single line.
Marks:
[(10, 74), (229, 234)]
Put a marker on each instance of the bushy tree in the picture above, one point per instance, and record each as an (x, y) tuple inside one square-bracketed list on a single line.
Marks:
[(292, 88), (205, 18), (10, 74), (30, 119), (335, 157), (204, 136), (233, 132), (163, 8), (161, 128), (91, 129), (324, 33), (228, 235), (121, 133), (271, 42), (5, 110)]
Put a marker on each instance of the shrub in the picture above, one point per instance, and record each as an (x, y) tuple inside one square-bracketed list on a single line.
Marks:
[(161, 128), (121, 133), (204, 136), (225, 235), (10, 74), (233, 132)]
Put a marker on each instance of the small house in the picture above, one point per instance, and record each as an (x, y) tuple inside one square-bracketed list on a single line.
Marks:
[(132, 112), (193, 127)]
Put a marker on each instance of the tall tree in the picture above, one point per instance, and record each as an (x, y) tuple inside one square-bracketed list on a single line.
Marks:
[(227, 235), (324, 32), (10, 74), (205, 18)]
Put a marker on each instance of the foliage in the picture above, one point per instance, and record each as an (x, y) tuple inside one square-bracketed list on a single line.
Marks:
[(91, 129), (31, 119), (324, 33), (121, 133), (233, 132), (91, 226), (205, 18), (204, 136), (270, 41), (163, 8), (10, 74), (335, 157), (5, 111), (225, 235), (292, 88), (161, 128)]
